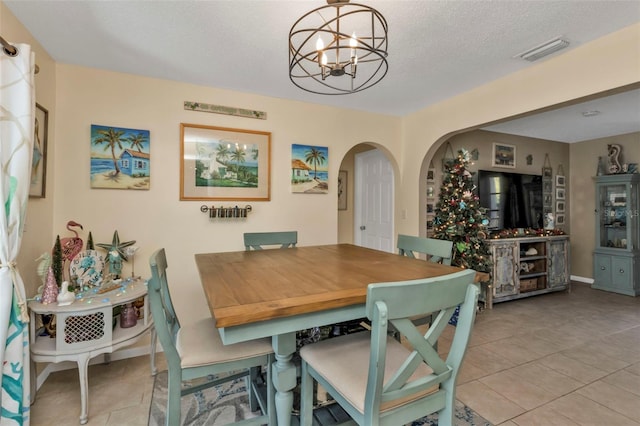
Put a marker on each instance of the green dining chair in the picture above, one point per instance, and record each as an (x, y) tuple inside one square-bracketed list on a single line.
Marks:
[(378, 380), (196, 351), (439, 251), (256, 240)]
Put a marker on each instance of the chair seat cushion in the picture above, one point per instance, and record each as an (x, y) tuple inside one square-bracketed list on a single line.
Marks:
[(344, 362), (200, 344)]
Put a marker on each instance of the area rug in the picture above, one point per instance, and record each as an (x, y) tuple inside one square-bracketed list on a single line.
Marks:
[(228, 403)]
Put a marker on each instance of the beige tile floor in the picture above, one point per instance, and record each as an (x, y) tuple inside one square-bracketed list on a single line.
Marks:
[(551, 360)]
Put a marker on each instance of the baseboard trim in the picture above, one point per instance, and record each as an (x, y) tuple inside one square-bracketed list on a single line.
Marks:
[(100, 359), (581, 279)]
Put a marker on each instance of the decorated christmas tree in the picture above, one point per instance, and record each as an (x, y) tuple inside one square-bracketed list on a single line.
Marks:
[(460, 218)]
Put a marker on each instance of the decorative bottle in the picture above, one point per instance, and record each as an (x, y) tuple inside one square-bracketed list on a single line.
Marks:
[(128, 316), (602, 166)]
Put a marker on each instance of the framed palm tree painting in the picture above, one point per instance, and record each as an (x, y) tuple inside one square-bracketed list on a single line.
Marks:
[(220, 163), (120, 158), (309, 169)]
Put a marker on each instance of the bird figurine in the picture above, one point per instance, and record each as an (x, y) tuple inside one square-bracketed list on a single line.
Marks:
[(65, 297), (71, 246)]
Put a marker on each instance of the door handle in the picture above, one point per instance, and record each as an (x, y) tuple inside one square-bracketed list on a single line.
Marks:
[(362, 227)]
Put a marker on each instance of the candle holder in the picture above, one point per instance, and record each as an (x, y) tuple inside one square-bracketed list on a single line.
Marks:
[(130, 252)]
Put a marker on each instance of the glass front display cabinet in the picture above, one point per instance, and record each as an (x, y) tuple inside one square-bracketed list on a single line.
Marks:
[(617, 253)]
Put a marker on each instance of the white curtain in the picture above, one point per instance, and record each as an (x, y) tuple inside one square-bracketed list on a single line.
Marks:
[(17, 112)]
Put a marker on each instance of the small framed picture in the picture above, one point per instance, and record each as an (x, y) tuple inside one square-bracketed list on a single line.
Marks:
[(617, 200), (559, 206), (431, 175), (504, 155), (39, 158), (430, 191), (560, 219), (560, 181), (546, 186), (559, 193), (342, 190), (429, 208), (547, 200)]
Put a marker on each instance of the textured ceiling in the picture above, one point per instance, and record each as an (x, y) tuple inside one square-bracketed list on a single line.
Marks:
[(437, 49)]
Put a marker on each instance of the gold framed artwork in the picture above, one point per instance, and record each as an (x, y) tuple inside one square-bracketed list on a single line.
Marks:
[(38, 186), (220, 163)]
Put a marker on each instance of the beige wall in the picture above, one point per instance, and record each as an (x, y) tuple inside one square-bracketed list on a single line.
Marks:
[(584, 157), (483, 140), (610, 62), (78, 97), (157, 218)]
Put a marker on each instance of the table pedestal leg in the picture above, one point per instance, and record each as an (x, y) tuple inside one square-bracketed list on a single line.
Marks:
[(83, 365), (284, 376)]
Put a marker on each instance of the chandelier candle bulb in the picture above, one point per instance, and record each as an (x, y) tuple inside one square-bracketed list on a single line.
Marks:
[(353, 43), (320, 49)]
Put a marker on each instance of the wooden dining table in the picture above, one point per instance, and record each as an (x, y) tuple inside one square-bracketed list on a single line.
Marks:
[(274, 293)]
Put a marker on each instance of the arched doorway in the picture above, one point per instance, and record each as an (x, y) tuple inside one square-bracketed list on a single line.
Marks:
[(366, 216)]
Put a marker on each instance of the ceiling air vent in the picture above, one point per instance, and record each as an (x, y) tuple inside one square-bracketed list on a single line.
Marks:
[(543, 49)]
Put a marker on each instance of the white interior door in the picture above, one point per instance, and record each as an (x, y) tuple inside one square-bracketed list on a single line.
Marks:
[(373, 206)]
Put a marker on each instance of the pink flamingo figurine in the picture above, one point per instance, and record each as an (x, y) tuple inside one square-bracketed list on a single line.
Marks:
[(71, 246)]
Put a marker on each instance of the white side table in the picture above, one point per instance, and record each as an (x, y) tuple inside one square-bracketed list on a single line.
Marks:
[(85, 329)]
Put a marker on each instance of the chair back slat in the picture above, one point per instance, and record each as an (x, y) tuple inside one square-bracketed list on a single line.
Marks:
[(417, 297), (395, 304), (164, 316), (256, 240), (438, 251)]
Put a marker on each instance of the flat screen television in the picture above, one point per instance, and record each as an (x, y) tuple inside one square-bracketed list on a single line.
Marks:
[(512, 200)]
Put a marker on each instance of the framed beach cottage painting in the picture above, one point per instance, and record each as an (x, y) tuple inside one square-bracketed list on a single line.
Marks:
[(219, 163), (120, 158), (309, 169), (39, 159)]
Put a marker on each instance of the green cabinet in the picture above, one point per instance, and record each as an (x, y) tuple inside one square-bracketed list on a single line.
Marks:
[(616, 258)]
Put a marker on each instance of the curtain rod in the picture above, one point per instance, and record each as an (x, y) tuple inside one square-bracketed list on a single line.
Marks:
[(11, 50)]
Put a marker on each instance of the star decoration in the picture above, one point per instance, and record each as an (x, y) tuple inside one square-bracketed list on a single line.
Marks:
[(117, 246)]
